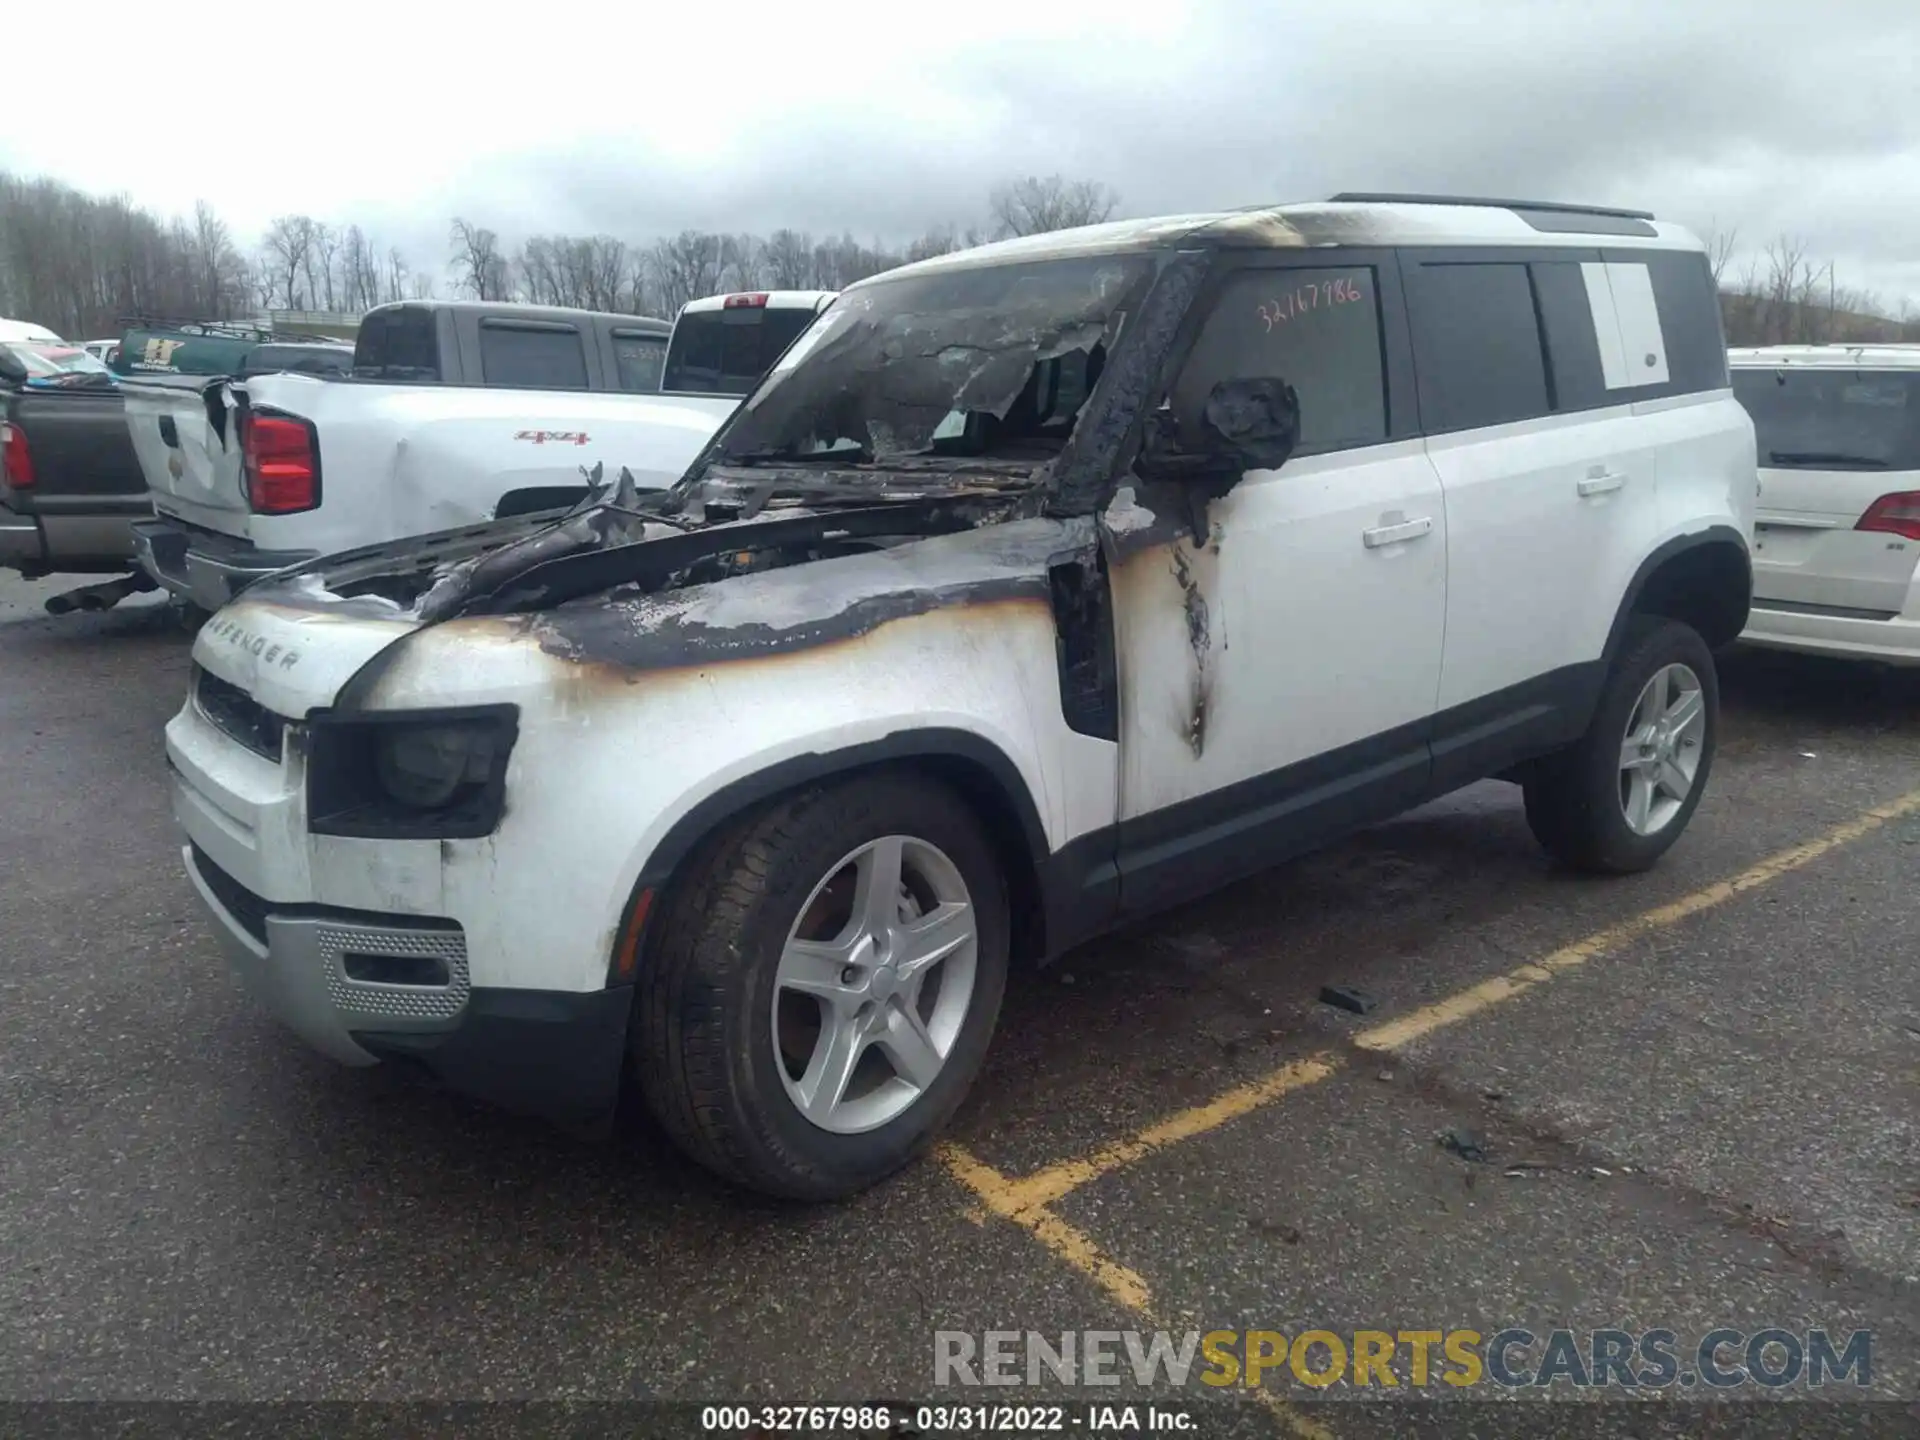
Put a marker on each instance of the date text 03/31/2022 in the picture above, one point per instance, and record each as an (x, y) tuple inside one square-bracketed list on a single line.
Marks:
[(945, 1419)]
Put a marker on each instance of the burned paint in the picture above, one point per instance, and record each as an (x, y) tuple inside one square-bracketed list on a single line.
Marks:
[(1200, 641), (1096, 454), (801, 607)]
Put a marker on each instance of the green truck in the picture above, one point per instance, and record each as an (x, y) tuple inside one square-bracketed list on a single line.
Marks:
[(151, 346)]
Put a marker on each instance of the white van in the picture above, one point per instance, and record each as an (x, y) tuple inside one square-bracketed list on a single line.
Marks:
[(28, 333), (1836, 544)]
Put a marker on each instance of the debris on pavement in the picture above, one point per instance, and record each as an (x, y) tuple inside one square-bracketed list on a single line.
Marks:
[(1345, 997), (1275, 1230), (1464, 1143)]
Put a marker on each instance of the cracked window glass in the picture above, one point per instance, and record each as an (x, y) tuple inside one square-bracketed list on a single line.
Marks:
[(989, 360)]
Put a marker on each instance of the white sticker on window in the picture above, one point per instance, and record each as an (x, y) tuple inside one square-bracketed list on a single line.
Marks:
[(1633, 349)]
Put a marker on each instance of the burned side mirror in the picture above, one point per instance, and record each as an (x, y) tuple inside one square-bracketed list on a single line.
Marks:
[(1244, 425), (1257, 421)]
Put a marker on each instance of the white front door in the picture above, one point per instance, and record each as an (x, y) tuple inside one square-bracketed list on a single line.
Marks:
[(1276, 681)]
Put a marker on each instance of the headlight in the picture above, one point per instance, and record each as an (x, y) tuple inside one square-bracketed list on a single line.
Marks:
[(425, 765), (409, 774)]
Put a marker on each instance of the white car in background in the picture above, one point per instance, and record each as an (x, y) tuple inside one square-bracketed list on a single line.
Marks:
[(25, 332), (1836, 552)]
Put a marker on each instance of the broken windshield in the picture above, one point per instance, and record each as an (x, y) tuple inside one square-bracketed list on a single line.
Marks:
[(988, 360)]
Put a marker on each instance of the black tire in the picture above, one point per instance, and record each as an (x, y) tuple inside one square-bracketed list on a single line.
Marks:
[(702, 1040), (1573, 798)]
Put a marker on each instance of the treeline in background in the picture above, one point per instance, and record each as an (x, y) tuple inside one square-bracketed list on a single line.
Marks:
[(78, 264)]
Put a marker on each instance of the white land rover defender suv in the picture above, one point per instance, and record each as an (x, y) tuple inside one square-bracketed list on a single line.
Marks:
[(1035, 588)]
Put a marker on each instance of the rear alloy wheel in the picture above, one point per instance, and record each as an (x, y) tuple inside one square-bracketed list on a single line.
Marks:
[(1621, 795), (825, 986), (1661, 754)]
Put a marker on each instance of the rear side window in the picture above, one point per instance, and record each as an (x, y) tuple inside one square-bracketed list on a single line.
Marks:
[(1568, 320), (1317, 329), (1477, 346), (641, 359), (530, 357), (1808, 419), (400, 344), (1689, 308), (725, 352)]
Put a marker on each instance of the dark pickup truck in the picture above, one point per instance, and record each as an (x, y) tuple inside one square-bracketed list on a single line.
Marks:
[(71, 486)]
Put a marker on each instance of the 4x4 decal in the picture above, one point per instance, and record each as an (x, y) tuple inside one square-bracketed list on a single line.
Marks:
[(558, 437)]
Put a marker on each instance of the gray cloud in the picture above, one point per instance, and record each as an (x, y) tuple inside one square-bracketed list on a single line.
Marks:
[(1765, 119)]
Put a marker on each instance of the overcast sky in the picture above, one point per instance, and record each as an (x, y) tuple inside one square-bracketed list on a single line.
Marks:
[(643, 118)]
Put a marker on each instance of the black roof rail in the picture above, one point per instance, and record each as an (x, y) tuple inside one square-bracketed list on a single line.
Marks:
[(1554, 207)]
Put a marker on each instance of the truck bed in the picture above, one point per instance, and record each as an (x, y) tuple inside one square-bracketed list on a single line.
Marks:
[(87, 483)]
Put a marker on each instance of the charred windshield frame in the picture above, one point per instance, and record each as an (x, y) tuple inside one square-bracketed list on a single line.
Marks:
[(978, 342)]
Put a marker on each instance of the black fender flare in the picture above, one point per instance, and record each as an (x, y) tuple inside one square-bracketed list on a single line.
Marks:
[(1713, 537), (946, 748)]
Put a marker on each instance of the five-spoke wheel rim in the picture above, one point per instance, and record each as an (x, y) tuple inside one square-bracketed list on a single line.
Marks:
[(874, 984), (1661, 752)]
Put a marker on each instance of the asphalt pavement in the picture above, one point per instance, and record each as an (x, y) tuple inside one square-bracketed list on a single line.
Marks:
[(1680, 1101)]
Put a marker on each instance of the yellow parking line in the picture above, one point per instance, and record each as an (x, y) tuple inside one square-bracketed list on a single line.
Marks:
[(1395, 1034), (1043, 1187), (1017, 1198), (1064, 1240), (1025, 1201), (1002, 1197)]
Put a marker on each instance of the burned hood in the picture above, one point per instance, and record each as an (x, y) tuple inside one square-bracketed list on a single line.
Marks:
[(735, 521), (785, 610)]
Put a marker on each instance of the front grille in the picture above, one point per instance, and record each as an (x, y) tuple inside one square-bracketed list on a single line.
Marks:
[(238, 714), (238, 901)]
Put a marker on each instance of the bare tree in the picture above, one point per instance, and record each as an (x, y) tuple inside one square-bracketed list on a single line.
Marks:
[(285, 256), (943, 240), (787, 258), (479, 268), (685, 267), (1720, 248), (326, 245), (1035, 205)]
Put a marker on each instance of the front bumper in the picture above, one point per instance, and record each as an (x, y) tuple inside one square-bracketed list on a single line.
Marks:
[(554, 1054), (205, 568)]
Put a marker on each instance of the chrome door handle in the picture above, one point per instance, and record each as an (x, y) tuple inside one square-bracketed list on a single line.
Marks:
[(1600, 484), (1393, 534)]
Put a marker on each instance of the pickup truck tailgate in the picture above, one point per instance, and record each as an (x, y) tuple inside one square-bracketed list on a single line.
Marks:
[(186, 435)]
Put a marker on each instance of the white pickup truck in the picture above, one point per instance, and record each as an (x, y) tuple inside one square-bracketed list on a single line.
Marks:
[(454, 412)]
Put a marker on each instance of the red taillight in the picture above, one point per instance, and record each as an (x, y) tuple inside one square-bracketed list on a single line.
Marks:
[(16, 462), (1895, 514), (744, 302), (278, 457)]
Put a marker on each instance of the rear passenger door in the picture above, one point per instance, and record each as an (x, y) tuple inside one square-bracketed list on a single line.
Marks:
[(1527, 378)]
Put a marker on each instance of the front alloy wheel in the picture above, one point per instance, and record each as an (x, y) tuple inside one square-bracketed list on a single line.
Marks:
[(874, 984), (824, 984)]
